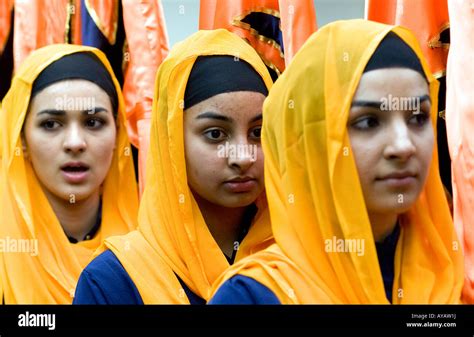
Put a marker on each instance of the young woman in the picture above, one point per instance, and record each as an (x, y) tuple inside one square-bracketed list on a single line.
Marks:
[(67, 172), (204, 187), (358, 210)]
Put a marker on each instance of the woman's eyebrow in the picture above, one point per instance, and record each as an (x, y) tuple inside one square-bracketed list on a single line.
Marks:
[(94, 111), (256, 118), (378, 104), (213, 115), (367, 104), (55, 112)]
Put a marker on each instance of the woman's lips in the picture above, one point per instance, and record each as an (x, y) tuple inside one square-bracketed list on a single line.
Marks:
[(399, 180), (75, 173), (240, 186)]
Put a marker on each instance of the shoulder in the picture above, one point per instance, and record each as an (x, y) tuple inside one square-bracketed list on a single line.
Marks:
[(243, 290), (105, 281)]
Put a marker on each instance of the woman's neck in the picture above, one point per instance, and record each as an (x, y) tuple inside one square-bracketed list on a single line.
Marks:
[(382, 225), (224, 223), (77, 218)]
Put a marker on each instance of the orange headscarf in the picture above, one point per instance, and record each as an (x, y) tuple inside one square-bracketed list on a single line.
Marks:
[(314, 193), (172, 237), (48, 273)]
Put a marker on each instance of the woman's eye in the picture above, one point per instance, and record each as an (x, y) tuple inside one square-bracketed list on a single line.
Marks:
[(215, 135), (366, 123), (256, 132), (50, 125), (94, 123), (419, 119)]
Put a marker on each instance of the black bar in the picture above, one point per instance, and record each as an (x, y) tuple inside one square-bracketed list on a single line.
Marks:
[(382, 320)]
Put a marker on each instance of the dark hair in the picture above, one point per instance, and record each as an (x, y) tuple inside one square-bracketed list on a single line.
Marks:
[(213, 75)]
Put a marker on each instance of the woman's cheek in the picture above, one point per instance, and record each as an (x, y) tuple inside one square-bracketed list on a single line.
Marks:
[(103, 150)]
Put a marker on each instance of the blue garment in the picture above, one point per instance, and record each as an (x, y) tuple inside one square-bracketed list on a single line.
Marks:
[(105, 281), (386, 254), (94, 229), (91, 35), (245, 290)]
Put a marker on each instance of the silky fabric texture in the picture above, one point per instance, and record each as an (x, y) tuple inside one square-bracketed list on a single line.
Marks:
[(1, 130), (459, 123), (50, 277), (314, 193), (172, 238)]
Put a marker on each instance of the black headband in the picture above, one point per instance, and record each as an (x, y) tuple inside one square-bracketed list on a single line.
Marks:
[(393, 52), (213, 75), (83, 65)]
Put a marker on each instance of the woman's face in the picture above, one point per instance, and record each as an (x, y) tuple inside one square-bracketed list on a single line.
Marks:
[(70, 137), (224, 160), (391, 135)]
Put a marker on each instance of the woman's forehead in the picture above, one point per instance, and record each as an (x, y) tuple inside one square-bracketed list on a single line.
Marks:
[(391, 81)]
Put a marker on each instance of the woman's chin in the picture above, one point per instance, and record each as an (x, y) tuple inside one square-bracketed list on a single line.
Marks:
[(74, 194), (395, 207), (238, 200)]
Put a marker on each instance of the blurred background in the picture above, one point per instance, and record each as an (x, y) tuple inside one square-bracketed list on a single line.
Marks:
[(182, 16)]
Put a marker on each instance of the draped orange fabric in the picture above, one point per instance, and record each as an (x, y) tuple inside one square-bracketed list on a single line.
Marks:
[(6, 7), (426, 18), (298, 22), (315, 195), (41, 23), (148, 46), (48, 273), (460, 123)]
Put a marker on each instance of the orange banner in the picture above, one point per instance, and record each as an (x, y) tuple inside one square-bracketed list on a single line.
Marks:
[(428, 19), (275, 28), (41, 23), (147, 47), (5, 22), (298, 22)]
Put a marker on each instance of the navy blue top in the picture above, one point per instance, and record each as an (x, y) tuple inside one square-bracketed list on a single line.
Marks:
[(94, 229), (105, 281), (245, 290), (386, 254)]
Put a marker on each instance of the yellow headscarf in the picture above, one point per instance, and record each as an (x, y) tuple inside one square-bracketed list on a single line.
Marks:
[(51, 276), (314, 193), (172, 237), (1, 136)]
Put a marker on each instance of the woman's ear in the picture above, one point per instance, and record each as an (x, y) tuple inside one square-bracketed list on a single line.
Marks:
[(24, 146)]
